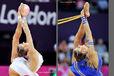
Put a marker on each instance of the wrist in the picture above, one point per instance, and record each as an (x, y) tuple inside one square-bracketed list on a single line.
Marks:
[(19, 18), (84, 19), (23, 19)]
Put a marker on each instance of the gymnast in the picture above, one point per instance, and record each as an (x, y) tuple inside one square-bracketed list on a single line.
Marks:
[(25, 59), (85, 60)]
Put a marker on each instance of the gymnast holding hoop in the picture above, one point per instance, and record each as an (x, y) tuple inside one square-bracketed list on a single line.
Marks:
[(85, 60), (25, 59)]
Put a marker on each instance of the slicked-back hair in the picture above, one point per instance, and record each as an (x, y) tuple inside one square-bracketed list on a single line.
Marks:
[(21, 52)]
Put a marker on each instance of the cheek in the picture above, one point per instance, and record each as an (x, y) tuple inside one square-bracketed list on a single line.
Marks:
[(26, 48), (84, 51)]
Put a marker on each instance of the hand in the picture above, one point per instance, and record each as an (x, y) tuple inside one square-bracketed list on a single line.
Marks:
[(18, 13), (19, 16), (22, 10), (82, 13)]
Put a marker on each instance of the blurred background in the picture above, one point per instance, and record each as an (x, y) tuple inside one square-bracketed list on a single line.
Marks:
[(41, 21), (98, 22)]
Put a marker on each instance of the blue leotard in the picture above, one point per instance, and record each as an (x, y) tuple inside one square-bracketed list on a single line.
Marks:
[(80, 69)]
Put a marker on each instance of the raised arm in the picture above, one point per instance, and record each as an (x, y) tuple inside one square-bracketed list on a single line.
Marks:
[(28, 35), (26, 28), (78, 39), (32, 53), (92, 55), (15, 41), (79, 36), (81, 31)]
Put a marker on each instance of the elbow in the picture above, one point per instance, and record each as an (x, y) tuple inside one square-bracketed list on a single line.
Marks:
[(11, 60), (34, 66)]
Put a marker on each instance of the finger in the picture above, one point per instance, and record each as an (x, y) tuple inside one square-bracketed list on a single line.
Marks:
[(82, 12), (21, 6), (18, 13)]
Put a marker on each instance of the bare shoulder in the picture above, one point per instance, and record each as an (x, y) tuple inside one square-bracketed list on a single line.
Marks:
[(33, 51), (70, 73), (93, 58), (12, 72)]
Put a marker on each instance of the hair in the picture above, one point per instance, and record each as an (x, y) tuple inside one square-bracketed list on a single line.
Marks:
[(79, 56), (21, 52), (91, 55)]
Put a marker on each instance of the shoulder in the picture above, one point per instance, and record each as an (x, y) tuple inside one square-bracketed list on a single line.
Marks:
[(32, 51)]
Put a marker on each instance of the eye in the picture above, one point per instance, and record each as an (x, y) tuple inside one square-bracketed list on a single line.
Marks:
[(75, 53)]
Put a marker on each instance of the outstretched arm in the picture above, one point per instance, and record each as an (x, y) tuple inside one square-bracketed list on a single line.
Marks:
[(17, 34), (78, 39), (28, 35), (15, 41), (92, 55), (79, 36), (32, 53), (26, 28)]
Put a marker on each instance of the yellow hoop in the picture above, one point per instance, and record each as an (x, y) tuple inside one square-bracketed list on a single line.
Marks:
[(68, 19)]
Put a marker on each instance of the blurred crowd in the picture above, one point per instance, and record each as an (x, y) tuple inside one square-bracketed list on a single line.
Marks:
[(96, 6), (66, 48)]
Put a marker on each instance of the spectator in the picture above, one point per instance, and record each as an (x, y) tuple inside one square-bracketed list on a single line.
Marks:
[(54, 47), (103, 5), (64, 53), (71, 45), (71, 42), (102, 50), (93, 9), (79, 4), (94, 2)]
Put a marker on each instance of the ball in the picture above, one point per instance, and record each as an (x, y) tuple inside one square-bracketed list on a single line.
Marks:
[(26, 10)]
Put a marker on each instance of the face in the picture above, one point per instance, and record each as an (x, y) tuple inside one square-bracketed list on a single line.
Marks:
[(63, 46), (81, 48), (80, 52), (22, 49), (100, 41)]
